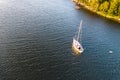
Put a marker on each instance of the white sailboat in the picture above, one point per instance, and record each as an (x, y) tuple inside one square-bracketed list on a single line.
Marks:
[(76, 44)]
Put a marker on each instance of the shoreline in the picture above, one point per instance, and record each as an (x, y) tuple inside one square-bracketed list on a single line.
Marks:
[(96, 12)]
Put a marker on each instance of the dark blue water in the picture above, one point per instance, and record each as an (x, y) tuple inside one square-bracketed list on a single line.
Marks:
[(36, 37)]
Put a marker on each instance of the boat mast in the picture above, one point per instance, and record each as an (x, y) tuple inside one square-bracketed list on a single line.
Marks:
[(79, 30)]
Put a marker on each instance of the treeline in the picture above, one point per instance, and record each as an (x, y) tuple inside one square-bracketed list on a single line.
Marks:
[(108, 7)]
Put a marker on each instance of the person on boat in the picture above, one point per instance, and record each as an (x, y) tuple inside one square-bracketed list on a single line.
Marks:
[(79, 48)]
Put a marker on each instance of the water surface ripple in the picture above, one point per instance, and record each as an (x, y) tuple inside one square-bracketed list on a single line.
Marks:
[(36, 37)]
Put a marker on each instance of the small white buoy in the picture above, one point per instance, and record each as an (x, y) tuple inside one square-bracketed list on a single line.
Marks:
[(110, 51)]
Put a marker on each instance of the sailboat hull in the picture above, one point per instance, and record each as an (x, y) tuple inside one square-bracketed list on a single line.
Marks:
[(76, 50), (77, 46)]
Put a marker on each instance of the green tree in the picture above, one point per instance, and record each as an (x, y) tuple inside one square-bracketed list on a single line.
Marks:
[(114, 6), (104, 7)]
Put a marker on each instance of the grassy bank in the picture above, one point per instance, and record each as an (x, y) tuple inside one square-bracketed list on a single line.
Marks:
[(80, 4)]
